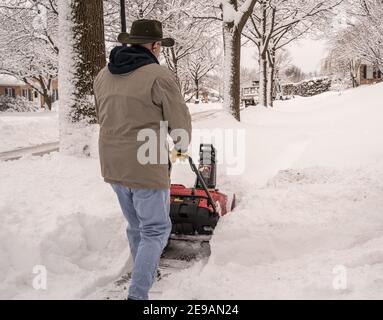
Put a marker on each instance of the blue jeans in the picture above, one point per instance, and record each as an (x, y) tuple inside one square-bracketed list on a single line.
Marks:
[(149, 227)]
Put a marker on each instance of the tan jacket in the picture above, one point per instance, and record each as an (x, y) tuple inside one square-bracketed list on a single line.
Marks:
[(128, 103)]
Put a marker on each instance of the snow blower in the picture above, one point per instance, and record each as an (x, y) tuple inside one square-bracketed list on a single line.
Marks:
[(195, 211)]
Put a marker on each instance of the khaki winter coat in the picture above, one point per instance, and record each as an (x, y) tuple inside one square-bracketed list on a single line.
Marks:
[(125, 105)]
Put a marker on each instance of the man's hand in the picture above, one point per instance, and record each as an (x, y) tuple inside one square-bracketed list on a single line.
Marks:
[(176, 154)]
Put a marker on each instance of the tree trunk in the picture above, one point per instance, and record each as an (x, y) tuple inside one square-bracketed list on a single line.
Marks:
[(270, 86), (46, 92), (48, 102), (264, 43), (232, 52), (90, 50), (263, 80), (175, 66), (81, 57), (271, 79), (196, 81)]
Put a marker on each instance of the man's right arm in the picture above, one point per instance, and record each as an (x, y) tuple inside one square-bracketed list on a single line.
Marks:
[(166, 93)]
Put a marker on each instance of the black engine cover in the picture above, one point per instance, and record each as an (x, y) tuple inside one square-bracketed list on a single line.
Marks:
[(190, 219)]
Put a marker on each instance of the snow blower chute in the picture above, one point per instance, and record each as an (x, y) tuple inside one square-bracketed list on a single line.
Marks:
[(195, 211)]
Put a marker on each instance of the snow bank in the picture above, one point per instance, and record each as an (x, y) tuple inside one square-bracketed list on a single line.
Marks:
[(57, 212), (26, 129), (285, 240)]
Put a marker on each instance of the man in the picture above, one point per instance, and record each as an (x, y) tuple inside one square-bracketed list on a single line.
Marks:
[(134, 94)]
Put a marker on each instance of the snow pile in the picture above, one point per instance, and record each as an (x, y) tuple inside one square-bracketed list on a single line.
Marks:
[(285, 241), (58, 213), (19, 130)]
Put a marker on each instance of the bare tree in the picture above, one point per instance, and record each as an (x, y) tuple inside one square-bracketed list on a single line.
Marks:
[(343, 60), (275, 24), (28, 43), (365, 30), (201, 63)]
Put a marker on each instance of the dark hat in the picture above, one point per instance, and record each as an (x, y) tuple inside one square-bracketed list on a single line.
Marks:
[(145, 31)]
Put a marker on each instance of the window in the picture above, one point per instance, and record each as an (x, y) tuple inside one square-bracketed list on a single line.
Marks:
[(24, 93), (370, 72), (55, 95), (30, 95), (377, 74), (36, 94), (10, 92)]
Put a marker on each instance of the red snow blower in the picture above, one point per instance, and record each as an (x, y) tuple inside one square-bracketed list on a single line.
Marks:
[(196, 211)]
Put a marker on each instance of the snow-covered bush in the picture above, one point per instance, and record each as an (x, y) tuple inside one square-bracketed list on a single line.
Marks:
[(340, 84), (18, 104)]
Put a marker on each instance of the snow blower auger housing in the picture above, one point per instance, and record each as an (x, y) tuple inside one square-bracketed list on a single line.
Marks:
[(196, 210)]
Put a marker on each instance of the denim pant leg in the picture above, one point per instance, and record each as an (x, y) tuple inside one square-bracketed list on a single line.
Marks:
[(152, 207), (125, 198)]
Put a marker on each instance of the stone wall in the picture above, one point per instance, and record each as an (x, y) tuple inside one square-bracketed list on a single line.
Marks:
[(307, 88)]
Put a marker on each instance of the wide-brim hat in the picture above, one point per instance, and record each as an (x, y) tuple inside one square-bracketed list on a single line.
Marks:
[(145, 31)]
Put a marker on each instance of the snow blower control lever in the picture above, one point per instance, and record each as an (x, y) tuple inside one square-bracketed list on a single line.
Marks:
[(200, 181)]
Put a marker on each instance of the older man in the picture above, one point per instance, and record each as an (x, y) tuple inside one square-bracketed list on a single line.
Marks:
[(135, 96)]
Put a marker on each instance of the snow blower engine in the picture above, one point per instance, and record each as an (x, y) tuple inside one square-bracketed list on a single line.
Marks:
[(196, 210)]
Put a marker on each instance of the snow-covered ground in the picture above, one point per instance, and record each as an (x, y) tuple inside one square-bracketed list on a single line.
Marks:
[(309, 211), (26, 129)]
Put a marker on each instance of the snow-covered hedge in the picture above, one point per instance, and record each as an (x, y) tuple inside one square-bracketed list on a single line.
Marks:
[(340, 84), (18, 104), (307, 88)]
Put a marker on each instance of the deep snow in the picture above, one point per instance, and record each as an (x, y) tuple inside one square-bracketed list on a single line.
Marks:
[(26, 129), (310, 200)]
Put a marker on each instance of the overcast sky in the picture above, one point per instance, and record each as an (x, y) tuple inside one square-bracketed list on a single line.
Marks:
[(307, 54)]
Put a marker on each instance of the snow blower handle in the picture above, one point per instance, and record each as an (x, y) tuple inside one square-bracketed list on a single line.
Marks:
[(202, 181)]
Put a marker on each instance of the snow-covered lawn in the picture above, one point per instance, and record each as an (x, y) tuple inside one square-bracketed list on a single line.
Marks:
[(26, 129), (310, 203)]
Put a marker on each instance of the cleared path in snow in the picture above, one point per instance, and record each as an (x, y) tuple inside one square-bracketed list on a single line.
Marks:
[(38, 150)]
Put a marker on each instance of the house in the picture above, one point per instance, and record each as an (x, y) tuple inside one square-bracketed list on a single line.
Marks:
[(368, 74), (250, 92), (13, 87)]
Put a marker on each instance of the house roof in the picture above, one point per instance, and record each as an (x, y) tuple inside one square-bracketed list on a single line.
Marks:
[(8, 80)]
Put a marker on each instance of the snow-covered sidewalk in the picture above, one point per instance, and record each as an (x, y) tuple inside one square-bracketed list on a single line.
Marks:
[(310, 203), (26, 129)]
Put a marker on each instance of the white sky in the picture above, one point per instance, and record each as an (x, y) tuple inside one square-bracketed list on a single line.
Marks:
[(307, 54)]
